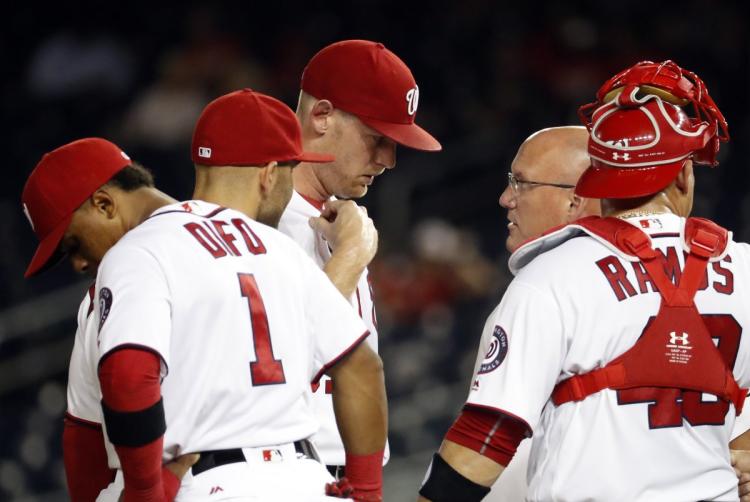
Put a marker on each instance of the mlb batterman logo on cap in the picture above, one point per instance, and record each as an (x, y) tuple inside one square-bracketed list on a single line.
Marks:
[(367, 80), (247, 128), (59, 184)]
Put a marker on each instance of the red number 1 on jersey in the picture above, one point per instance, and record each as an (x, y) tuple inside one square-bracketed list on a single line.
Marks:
[(265, 370)]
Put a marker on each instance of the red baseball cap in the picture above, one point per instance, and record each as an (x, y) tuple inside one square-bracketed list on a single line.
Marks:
[(247, 128), (59, 184), (366, 79)]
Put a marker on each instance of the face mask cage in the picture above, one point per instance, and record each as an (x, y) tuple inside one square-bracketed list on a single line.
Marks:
[(674, 85)]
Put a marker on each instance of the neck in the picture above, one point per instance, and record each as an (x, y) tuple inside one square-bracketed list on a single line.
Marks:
[(307, 182), (658, 204), (149, 199), (228, 187)]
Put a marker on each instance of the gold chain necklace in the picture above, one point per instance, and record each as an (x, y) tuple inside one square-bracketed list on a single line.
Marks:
[(637, 214)]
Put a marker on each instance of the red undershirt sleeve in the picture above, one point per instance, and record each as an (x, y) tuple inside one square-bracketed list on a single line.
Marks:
[(130, 382), (85, 458), (490, 433)]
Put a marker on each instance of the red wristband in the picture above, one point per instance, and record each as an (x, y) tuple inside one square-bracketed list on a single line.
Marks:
[(171, 484), (365, 472)]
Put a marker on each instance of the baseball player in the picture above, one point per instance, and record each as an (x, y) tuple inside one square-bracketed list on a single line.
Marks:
[(631, 379), (267, 327), (63, 211), (358, 100), (540, 196)]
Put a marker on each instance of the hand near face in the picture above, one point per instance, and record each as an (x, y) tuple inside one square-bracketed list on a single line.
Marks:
[(348, 229)]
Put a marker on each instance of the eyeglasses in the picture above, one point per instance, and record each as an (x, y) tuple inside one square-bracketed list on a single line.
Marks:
[(514, 182)]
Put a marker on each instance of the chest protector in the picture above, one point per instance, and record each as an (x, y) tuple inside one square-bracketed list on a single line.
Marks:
[(676, 349)]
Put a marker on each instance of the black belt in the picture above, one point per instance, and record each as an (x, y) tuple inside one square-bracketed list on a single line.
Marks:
[(216, 458), (337, 471)]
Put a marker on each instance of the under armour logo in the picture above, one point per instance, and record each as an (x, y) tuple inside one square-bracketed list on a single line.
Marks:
[(28, 216), (624, 156), (683, 338), (412, 97), (204, 152), (216, 489)]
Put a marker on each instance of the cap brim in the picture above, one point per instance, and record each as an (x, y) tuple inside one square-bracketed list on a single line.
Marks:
[(46, 253), (410, 135), (315, 157), (605, 182)]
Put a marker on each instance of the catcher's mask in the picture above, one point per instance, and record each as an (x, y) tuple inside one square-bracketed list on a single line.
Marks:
[(674, 85), (638, 145)]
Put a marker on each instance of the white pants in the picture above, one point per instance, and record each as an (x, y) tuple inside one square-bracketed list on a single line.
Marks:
[(284, 478)]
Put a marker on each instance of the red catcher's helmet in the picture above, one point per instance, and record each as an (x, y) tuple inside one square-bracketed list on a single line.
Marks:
[(674, 85), (638, 145)]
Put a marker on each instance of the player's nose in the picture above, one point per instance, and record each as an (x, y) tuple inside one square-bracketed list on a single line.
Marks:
[(385, 155), (507, 200), (80, 264)]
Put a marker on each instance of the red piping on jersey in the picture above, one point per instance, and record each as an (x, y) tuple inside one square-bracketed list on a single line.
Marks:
[(92, 290), (657, 359), (359, 303), (215, 212), (340, 356), (209, 215), (133, 346), (317, 204)]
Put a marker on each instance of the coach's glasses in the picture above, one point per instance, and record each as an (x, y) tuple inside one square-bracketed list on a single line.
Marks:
[(514, 183)]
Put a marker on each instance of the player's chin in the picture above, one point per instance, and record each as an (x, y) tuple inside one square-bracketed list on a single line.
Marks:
[(513, 242), (357, 191)]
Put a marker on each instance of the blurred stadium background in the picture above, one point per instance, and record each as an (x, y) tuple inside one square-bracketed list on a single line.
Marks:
[(489, 75)]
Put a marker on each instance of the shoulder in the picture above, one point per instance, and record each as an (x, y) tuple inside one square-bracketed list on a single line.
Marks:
[(142, 251), (561, 261), (741, 248)]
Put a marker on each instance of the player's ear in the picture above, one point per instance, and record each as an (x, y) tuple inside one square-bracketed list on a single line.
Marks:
[(580, 207), (321, 116), (575, 204), (103, 203), (685, 180), (268, 176)]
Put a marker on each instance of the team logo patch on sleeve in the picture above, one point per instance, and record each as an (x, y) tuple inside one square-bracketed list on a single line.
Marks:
[(105, 303), (497, 351)]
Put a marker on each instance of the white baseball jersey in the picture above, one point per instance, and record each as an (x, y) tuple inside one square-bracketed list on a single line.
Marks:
[(242, 319), (83, 382), (573, 308), (294, 223), (84, 392)]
